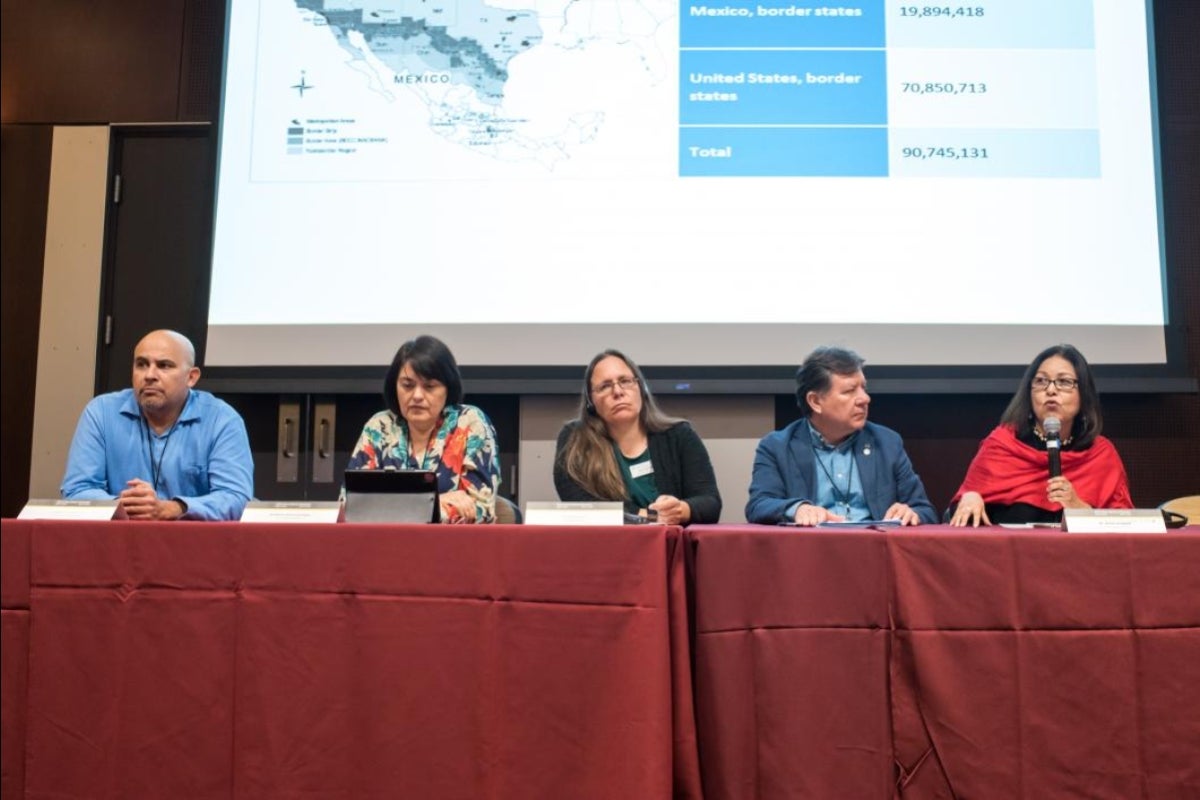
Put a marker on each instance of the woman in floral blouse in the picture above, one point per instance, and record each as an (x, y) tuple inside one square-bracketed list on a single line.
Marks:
[(427, 426)]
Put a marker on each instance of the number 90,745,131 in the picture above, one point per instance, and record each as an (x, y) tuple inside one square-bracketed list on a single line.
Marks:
[(944, 153)]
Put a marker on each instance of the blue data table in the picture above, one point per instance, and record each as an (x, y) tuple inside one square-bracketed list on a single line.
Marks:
[(888, 88)]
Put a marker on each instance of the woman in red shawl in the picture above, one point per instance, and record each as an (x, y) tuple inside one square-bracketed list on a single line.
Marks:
[(1008, 481)]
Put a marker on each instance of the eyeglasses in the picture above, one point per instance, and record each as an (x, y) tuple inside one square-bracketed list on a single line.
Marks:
[(1040, 384), (627, 383)]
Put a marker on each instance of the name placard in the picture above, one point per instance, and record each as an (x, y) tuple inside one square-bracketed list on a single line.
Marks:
[(57, 508), (551, 513), (293, 512), (1113, 520)]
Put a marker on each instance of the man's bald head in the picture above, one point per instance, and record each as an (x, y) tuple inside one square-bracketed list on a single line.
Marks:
[(164, 371), (165, 338)]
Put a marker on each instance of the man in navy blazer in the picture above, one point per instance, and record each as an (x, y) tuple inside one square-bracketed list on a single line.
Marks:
[(832, 465)]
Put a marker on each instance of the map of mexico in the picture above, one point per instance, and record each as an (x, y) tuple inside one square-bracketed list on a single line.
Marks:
[(374, 84), (466, 40)]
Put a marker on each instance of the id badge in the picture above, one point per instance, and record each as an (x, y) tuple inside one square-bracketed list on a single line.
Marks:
[(642, 470)]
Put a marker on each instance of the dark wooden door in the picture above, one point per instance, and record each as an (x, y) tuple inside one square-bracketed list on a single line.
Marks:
[(158, 239)]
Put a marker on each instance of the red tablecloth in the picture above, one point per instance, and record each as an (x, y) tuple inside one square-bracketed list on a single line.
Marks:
[(14, 652), (202, 660), (942, 663), (223, 660)]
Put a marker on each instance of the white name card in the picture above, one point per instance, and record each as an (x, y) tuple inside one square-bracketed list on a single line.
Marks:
[(57, 508), (1113, 520), (293, 512), (549, 513)]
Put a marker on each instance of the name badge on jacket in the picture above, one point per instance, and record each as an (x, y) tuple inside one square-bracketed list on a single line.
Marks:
[(641, 470)]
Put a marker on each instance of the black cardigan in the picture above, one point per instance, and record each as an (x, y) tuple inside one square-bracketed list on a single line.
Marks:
[(682, 469)]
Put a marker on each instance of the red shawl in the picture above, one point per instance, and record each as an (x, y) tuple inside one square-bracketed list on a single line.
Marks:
[(1008, 471)]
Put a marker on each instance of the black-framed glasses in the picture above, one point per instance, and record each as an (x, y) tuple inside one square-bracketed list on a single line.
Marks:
[(1041, 383), (626, 383)]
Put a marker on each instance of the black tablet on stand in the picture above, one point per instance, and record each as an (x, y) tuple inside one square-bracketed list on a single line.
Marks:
[(391, 495)]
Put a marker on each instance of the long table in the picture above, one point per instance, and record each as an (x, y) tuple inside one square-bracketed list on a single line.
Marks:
[(194, 660), (229, 661), (946, 664)]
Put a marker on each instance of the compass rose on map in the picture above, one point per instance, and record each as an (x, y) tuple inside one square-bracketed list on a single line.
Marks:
[(303, 85)]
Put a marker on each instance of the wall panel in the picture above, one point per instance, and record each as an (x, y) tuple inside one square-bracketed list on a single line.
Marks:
[(88, 61), (26, 186)]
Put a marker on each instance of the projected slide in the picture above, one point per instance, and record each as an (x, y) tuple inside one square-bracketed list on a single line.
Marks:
[(722, 183), (939, 90)]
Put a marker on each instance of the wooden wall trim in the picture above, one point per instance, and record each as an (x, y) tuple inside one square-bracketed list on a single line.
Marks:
[(66, 365)]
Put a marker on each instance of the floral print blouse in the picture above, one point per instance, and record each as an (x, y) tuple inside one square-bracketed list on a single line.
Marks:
[(463, 453)]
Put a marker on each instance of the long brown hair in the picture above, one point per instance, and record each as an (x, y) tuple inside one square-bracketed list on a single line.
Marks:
[(588, 454)]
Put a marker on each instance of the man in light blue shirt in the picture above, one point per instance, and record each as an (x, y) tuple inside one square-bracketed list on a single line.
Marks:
[(163, 449), (832, 465)]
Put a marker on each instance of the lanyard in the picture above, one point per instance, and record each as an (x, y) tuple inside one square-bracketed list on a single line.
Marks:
[(156, 466), (840, 497), (428, 446)]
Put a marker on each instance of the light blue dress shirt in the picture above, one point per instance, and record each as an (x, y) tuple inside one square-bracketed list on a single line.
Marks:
[(204, 460), (839, 486)]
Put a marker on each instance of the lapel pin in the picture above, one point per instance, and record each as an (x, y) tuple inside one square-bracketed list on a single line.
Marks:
[(867, 450)]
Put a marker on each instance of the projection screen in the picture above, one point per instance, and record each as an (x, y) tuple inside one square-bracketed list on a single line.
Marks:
[(699, 184)]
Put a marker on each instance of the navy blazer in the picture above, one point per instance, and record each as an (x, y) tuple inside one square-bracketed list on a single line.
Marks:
[(785, 473)]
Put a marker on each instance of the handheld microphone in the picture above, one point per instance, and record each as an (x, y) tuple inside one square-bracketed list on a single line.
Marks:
[(1053, 428)]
